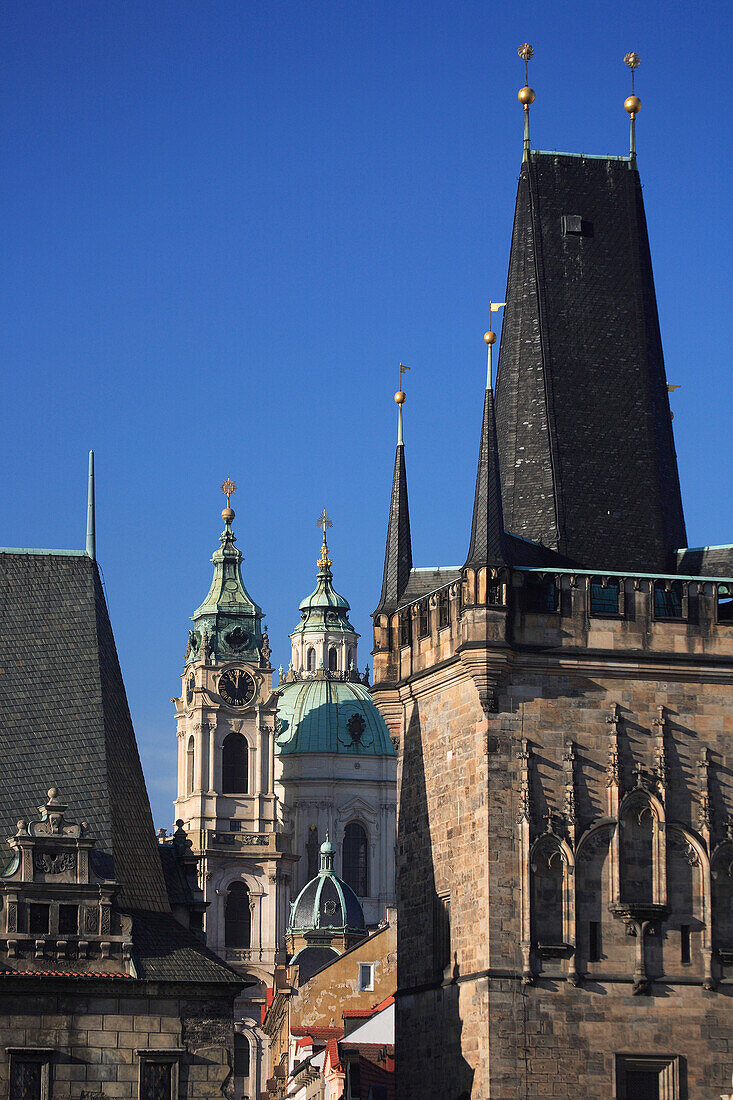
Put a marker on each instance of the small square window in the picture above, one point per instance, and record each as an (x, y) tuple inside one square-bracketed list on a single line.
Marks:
[(235, 826), (68, 920), (366, 977), (38, 916), (572, 223), (649, 1077)]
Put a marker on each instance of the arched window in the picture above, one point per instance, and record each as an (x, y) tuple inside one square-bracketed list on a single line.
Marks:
[(350, 662), (548, 873), (189, 767), (332, 659), (311, 660), (234, 764), (354, 859), (237, 920)]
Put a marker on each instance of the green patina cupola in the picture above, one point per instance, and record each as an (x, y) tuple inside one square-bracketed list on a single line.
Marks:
[(228, 624), (324, 608)]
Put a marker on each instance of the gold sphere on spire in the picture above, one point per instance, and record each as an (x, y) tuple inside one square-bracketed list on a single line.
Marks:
[(526, 95), (633, 105), (400, 397), (228, 515), (489, 337)]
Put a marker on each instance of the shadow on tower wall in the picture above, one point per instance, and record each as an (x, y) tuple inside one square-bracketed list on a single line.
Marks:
[(429, 1059)]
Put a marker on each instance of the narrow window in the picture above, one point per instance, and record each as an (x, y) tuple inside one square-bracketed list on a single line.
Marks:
[(189, 766), (667, 600), (441, 932), (724, 604), (443, 609), (156, 1080), (423, 620), (38, 917), (234, 764), (311, 660), (405, 629), (237, 918), (604, 597), (594, 941), (311, 852), (685, 944), (332, 659), (547, 898), (241, 1055), (354, 859), (68, 920), (366, 977), (637, 855)]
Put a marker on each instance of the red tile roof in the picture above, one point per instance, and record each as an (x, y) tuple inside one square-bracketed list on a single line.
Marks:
[(318, 1032)]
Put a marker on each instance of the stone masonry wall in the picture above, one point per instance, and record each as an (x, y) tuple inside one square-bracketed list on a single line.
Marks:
[(95, 1038)]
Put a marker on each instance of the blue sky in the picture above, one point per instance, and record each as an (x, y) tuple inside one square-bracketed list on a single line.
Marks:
[(224, 226)]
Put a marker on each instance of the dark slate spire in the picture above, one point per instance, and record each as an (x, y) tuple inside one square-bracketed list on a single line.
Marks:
[(487, 530), (398, 554), (588, 466)]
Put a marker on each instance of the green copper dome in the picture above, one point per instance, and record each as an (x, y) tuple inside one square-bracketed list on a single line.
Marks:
[(326, 903), (228, 622), (331, 713)]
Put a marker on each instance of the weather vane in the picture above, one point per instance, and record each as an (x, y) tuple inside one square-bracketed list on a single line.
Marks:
[(228, 487), (324, 523), (526, 94), (633, 103)]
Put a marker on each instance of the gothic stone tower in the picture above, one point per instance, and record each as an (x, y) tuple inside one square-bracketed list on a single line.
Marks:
[(563, 703), (226, 796)]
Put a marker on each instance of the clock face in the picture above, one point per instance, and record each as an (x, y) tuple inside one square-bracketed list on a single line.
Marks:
[(189, 689), (237, 687)]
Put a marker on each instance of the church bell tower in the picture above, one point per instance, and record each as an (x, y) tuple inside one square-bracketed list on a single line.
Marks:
[(226, 797)]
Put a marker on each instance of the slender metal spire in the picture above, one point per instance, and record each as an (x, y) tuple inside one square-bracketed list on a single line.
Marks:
[(398, 552), (91, 534), (526, 94), (633, 103)]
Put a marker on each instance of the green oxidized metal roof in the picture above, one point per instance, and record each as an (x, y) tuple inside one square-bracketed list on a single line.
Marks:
[(326, 903), (227, 592), (331, 713), (324, 608)]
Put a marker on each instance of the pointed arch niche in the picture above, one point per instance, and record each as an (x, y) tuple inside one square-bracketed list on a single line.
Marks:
[(552, 898)]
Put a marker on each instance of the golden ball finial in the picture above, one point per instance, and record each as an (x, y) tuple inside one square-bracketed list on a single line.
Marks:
[(400, 397), (526, 95), (489, 337), (632, 104), (228, 515)]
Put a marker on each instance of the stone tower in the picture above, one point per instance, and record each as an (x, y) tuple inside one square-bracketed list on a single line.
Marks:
[(563, 700)]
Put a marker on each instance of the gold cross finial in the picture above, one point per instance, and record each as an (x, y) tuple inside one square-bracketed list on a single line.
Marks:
[(324, 523), (228, 487)]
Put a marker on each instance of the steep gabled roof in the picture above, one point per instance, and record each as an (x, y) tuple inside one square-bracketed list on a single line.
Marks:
[(588, 465), (64, 718), (398, 553)]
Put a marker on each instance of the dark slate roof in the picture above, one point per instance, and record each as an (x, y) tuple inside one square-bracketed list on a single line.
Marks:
[(398, 554), (64, 719), (706, 561), (165, 951), (422, 582), (487, 545), (588, 466)]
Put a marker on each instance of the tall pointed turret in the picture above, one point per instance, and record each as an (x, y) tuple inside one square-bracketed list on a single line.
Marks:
[(398, 553), (588, 465), (487, 530)]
